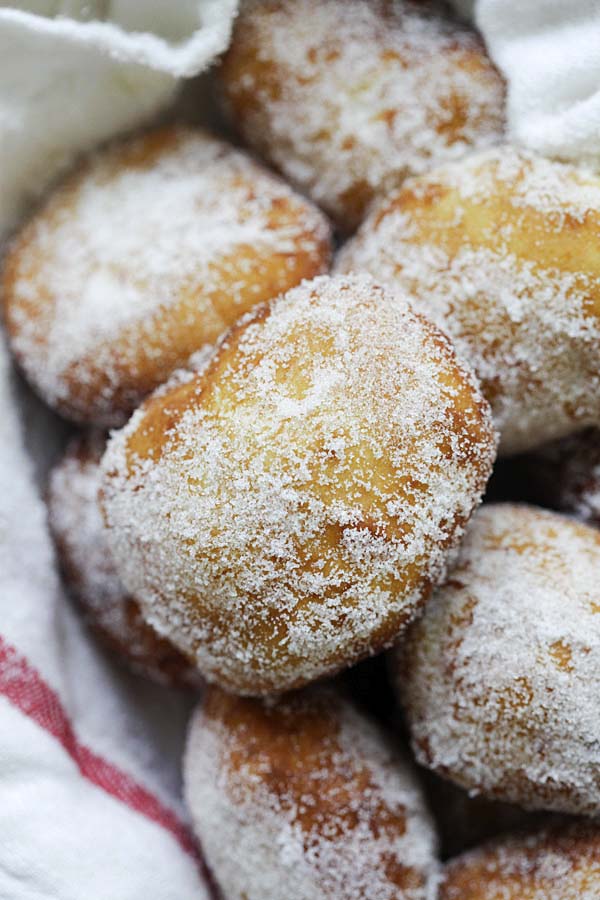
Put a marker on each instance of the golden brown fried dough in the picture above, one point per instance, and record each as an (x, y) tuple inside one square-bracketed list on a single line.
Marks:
[(347, 99), (499, 678), (501, 251), (559, 864), (303, 798), (286, 512), (88, 568), (147, 253)]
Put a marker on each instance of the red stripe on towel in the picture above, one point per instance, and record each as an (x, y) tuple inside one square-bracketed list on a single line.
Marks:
[(25, 688)]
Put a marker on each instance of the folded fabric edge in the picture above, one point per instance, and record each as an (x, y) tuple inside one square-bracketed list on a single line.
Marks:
[(182, 60)]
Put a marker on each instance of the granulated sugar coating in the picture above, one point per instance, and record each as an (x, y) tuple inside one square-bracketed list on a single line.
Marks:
[(86, 561), (347, 99), (558, 864), (499, 678), (286, 512), (304, 798), (500, 251), (148, 252)]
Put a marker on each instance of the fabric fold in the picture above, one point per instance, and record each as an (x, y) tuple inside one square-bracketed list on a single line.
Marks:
[(70, 82), (549, 52), (89, 755)]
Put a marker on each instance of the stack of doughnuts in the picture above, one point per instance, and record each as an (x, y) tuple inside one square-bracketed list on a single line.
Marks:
[(300, 443)]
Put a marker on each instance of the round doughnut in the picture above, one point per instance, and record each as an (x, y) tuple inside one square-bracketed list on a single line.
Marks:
[(347, 99), (286, 512), (499, 677), (85, 559), (499, 250), (303, 797), (556, 864), (145, 254)]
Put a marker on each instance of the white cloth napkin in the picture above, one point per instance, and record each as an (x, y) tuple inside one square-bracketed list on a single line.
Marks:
[(89, 756), (549, 51), (69, 80)]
